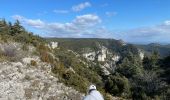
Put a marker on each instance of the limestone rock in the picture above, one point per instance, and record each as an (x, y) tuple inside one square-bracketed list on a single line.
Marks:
[(21, 81)]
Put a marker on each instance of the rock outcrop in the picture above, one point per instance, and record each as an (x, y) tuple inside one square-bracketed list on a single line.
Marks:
[(54, 45), (22, 81), (28, 78)]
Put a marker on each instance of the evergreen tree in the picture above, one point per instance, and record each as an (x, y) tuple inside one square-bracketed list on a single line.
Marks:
[(151, 63), (130, 67), (118, 85), (17, 28)]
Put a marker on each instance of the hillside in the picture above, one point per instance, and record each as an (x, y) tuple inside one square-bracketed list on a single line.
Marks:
[(27, 77), (57, 68), (121, 65), (25, 69), (81, 45)]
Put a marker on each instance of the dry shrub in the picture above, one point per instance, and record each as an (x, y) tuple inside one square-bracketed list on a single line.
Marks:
[(45, 57), (44, 53), (28, 93), (33, 63), (10, 51)]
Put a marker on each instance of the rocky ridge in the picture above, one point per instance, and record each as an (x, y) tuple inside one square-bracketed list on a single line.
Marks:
[(31, 79)]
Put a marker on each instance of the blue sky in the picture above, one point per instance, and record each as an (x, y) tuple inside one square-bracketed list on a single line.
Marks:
[(137, 21)]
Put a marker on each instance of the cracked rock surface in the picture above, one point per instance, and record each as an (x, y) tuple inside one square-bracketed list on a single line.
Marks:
[(22, 81)]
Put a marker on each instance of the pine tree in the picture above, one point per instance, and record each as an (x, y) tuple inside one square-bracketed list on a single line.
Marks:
[(17, 28), (150, 63)]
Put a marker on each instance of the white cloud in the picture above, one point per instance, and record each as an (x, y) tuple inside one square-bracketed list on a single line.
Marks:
[(89, 26), (75, 8), (167, 22), (157, 33), (18, 17), (61, 11), (37, 23), (81, 6), (110, 14), (80, 26), (87, 20)]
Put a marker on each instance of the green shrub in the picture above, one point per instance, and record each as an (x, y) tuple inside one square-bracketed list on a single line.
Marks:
[(78, 82), (118, 85)]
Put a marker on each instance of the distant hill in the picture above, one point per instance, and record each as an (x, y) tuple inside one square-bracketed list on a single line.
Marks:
[(118, 46), (78, 44), (164, 50)]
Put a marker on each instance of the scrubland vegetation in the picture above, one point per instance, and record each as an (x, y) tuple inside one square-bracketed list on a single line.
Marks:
[(133, 78)]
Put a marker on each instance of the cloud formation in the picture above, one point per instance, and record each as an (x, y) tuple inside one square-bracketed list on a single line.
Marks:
[(156, 33), (167, 22), (37, 23), (81, 26), (89, 26), (81, 6), (75, 8), (61, 11)]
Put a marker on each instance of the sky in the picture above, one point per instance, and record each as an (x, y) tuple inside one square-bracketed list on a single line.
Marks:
[(134, 21)]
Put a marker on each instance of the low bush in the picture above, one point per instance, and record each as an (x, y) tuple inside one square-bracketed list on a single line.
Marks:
[(9, 51), (33, 63)]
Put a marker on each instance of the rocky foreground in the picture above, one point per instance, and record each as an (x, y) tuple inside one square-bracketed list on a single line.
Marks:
[(31, 79), (21, 81)]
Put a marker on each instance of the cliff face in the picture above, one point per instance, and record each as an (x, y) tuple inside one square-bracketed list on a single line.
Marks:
[(30, 78), (102, 55)]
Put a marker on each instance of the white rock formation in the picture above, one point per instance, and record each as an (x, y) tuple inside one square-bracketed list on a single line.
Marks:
[(116, 58), (102, 54), (110, 67), (141, 54), (90, 55), (105, 71), (54, 44)]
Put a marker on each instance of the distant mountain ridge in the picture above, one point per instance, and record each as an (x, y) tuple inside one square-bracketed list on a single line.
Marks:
[(163, 50), (78, 43)]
